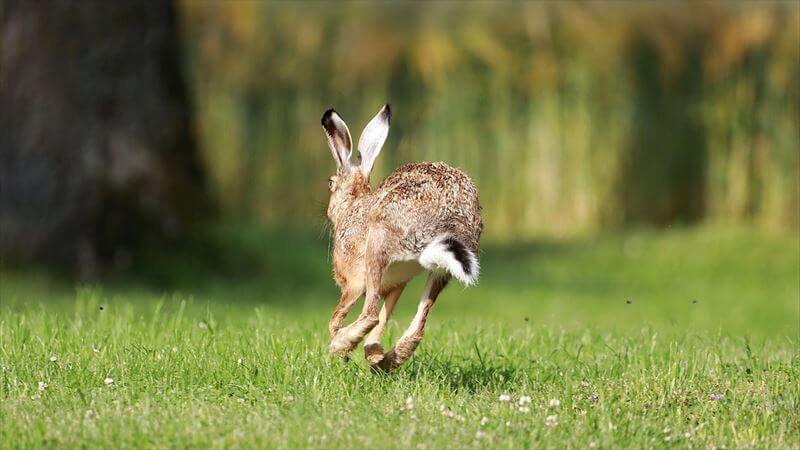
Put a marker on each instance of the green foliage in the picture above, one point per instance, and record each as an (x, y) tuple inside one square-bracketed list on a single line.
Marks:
[(571, 117), (631, 334)]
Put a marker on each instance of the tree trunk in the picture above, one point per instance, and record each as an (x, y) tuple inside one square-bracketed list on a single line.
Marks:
[(97, 151)]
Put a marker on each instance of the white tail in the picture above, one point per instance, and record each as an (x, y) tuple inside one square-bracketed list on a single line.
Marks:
[(449, 254)]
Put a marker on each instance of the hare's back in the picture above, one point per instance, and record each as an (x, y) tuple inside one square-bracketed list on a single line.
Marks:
[(427, 199)]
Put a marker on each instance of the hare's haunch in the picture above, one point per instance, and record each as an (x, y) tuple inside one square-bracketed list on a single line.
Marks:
[(423, 217)]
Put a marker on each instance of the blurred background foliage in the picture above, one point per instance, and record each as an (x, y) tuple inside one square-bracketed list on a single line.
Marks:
[(571, 117)]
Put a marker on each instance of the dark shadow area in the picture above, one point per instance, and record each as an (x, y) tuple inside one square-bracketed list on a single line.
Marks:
[(246, 263), (470, 374), (663, 180)]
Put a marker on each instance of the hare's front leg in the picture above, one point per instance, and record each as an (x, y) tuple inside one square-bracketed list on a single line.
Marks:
[(373, 350), (346, 302), (376, 261)]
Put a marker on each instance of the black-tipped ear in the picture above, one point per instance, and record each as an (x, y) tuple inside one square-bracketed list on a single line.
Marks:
[(339, 139), (387, 113), (327, 117), (373, 137)]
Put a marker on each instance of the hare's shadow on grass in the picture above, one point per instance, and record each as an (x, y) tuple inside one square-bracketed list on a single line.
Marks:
[(461, 374)]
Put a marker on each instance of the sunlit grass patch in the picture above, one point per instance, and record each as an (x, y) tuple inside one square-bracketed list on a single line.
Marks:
[(546, 352)]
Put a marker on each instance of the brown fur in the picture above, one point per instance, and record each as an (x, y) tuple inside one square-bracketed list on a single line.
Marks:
[(380, 233)]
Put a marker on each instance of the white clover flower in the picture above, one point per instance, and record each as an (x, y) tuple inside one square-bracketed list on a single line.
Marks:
[(484, 420), (239, 362), (108, 381), (409, 400), (174, 349), (53, 358), (554, 402), (551, 421), (505, 398), (42, 386), (480, 435), (667, 430), (240, 400), (524, 409), (524, 400)]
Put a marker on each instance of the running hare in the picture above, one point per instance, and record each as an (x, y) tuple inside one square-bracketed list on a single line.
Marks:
[(424, 216)]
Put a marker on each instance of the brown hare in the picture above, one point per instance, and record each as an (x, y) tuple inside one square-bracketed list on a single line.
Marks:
[(424, 216)]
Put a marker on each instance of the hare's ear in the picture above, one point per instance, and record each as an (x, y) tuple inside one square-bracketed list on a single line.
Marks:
[(372, 139), (339, 139)]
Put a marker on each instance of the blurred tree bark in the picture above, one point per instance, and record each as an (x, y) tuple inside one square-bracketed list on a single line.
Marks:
[(97, 152)]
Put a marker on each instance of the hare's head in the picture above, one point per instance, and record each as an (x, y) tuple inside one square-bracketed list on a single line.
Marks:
[(352, 181)]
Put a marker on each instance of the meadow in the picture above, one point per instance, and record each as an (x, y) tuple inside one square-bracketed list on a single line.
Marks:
[(686, 338)]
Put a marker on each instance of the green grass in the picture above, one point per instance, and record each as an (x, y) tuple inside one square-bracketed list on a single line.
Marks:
[(711, 312)]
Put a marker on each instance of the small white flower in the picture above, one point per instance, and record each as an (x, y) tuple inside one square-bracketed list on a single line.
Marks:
[(174, 349), (53, 358), (592, 444), (95, 349), (409, 400), (42, 386), (524, 409), (667, 438), (508, 424), (524, 400), (480, 435), (687, 435), (505, 398), (484, 420), (88, 414), (288, 398), (554, 402), (240, 400), (667, 430), (108, 381), (551, 421), (239, 362)]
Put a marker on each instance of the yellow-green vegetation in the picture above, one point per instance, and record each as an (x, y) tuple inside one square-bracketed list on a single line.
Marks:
[(571, 117), (683, 339)]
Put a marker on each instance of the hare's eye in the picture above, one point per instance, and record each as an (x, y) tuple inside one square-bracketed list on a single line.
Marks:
[(330, 183)]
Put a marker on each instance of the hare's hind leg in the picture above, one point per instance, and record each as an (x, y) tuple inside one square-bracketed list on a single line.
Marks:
[(409, 341), (373, 350), (376, 260)]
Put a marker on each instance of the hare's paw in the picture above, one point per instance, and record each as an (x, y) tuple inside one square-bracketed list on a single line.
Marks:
[(373, 352), (342, 344)]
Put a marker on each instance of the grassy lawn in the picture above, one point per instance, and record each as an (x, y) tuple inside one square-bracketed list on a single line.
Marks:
[(687, 338)]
